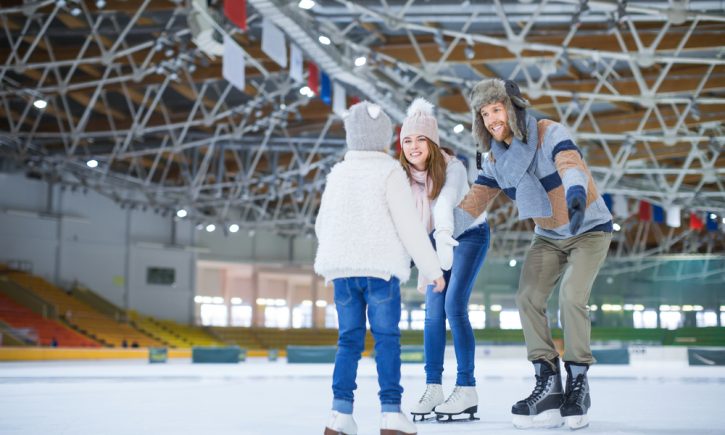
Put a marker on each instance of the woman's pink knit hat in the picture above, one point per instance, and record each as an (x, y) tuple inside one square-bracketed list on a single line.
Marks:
[(420, 120)]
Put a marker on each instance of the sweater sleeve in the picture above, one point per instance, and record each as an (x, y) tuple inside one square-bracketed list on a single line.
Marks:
[(409, 227), (483, 191), (450, 195), (567, 158)]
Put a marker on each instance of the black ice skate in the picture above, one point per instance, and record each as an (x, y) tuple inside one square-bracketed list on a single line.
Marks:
[(541, 408), (576, 398)]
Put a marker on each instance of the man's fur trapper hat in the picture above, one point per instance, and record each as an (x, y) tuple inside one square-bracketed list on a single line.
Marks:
[(491, 91)]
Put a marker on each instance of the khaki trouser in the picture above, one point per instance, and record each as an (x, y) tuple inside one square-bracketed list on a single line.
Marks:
[(545, 262)]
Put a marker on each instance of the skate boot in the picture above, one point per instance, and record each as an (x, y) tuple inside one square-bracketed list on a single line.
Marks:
[(576, 397), (432, 397), (396, 423), (463, 400), (341, 424), (541, 408)]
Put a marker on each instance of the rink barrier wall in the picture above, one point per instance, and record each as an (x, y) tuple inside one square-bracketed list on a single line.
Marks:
[(77, 353), (311, 354), (9, 353), (212, 354), (706, 357)]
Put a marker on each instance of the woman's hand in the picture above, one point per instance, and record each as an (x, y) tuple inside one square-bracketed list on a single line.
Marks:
[(444, 248)]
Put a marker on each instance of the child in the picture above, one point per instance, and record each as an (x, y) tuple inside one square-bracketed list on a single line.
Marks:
[(368, 229)]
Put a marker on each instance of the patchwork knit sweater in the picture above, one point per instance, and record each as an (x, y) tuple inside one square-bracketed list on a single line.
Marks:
[(559, 167)]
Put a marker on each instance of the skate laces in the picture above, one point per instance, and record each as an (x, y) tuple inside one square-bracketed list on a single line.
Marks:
[(428, 395), (538, 390), (454, 395), (574, 390)]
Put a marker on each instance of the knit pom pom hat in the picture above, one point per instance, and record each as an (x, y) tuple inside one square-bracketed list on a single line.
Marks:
[(420, 120), (367, 128), (491, 91)]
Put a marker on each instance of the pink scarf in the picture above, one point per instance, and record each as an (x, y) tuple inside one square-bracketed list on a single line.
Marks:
[(422, 185)]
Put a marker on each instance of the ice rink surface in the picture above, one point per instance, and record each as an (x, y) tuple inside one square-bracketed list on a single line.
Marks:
[(270, 398)]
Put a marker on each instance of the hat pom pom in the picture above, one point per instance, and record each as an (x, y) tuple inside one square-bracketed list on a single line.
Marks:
[(420, 106)]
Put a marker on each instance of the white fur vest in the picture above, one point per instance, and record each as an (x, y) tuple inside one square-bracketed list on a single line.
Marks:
[(355, 230)]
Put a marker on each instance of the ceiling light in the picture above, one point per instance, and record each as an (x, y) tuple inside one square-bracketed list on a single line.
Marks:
[(182, 213), (360, 61), (210, 228), (324, 40), (100, 4), (512, 263), (306, 4), (458, 129), (469, 52), (93, 163), (40, 104), (233, 228), (75, 12)]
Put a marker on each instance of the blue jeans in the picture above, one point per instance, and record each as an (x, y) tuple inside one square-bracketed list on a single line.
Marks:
[(452, 304), (382, 300)]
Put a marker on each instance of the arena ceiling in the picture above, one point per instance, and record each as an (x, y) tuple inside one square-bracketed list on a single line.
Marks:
[(641, 84)]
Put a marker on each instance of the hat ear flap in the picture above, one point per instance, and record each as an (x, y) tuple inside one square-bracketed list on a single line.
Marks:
[(521, 122), (480, 134)]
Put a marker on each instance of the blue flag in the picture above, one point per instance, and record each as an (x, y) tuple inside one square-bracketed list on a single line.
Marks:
[(325, 89)]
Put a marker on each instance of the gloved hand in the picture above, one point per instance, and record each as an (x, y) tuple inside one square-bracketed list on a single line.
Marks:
[(444, 248), (576, 203)]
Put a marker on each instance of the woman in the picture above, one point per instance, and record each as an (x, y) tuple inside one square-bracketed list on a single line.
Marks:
[(439, 181)]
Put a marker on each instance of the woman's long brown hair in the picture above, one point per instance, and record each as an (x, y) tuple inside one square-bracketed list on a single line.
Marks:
[(435, 165)]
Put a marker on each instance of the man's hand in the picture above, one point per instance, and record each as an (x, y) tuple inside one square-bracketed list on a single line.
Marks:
[(444, 248), (576, 203)]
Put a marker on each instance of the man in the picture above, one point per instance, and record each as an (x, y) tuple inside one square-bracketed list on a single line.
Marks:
[(538, 166)]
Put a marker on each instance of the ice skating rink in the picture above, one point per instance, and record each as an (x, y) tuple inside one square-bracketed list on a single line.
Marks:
[(648, 397)]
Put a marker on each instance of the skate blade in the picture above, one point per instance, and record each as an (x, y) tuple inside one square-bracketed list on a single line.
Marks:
[(423, 418), (441, 416), (329, 431), (575, 422), (550, 419)]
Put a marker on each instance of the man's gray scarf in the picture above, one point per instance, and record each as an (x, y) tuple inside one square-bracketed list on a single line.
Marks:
[(514, 167)]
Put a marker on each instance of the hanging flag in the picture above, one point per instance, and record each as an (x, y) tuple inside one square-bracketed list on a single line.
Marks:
[(274, 43), (696, 223), (339, 99), (233, 63), (658, 214), (313, 78), (325, 88), (608, 201), (236, 11), (296, 66), (712, 221), (673, 216), (619, 206), (645, 211)]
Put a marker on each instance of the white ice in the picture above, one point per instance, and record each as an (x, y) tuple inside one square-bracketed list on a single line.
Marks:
[(259, 397)]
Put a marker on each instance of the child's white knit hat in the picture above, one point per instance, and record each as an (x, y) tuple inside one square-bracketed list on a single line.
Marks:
[(367, 128)]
